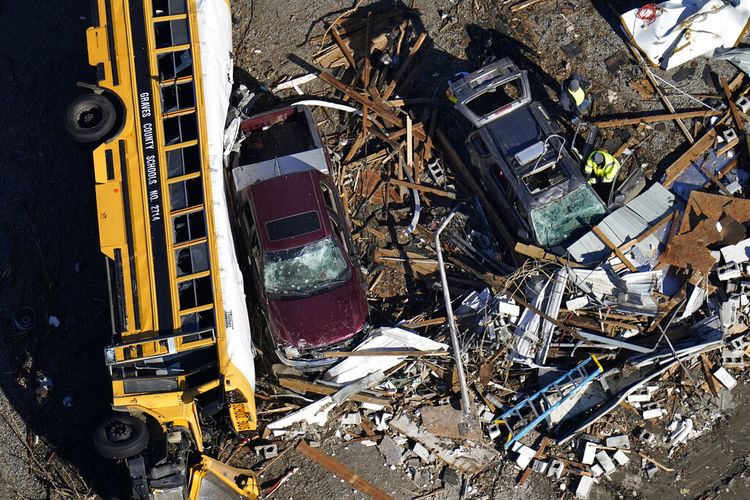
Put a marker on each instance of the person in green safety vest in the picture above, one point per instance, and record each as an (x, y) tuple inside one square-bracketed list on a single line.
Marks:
[(573, 97), (601, 167)]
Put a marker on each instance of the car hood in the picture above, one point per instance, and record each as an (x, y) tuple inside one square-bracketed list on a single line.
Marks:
[(320, 320)]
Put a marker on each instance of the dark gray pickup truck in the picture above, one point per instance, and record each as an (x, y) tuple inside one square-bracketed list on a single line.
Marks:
[(522, 161)]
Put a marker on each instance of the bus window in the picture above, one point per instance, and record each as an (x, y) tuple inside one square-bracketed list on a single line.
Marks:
[(195, 292), (192, 259), (188, 227), (178, 96), (187, 193), (197, 321), (168, 7), (170, 33), (183, 161), (175, 65), (180, 129)]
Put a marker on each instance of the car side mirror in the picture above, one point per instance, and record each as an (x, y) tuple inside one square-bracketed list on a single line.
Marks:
[(522, 233)]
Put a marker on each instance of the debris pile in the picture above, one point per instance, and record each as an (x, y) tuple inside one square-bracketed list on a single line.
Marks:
[(609, 351)]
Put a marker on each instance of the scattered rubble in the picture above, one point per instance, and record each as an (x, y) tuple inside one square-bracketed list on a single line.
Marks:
[(577, 363)]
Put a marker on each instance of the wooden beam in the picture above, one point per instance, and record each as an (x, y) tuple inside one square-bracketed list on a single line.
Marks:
[(540, 254), (342, 471), (304, 387), (621, 122), (344, 49), (520, 6), (383, 352), (422, 187), (600, 234), (539, 454), (648, 232), (404, 66), (688, 157), (662, 97), (735, 113), (495, 219)]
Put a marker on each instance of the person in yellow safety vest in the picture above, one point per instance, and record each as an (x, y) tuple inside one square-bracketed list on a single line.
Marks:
[(573, 97), (601, 167)]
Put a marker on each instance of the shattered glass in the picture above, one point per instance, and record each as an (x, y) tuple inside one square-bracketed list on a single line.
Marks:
[(557, 221), (305, 269)]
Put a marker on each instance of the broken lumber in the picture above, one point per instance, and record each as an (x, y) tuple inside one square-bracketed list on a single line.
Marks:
[(471, 182), (688, 157), (303, 386), (662, 117), (600, 234), (422, 187), (383, 352), (662, 96), (540, 254), (342, 471)]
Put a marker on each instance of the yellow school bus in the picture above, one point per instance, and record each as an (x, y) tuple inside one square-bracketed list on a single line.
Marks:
[(181, 349)]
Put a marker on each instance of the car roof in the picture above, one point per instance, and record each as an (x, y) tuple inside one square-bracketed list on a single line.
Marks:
[(288, 196)]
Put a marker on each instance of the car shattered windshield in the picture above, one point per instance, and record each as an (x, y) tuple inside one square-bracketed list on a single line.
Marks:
[(306, 269), (557, 221)]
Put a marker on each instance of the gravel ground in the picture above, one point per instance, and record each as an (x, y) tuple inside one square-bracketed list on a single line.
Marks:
[(49, 258)]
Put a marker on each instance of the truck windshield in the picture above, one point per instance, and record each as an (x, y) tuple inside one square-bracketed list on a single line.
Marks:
[(305, 270), (557, 221)]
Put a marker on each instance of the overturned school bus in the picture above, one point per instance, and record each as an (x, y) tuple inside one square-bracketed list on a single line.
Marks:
[(181, 348)]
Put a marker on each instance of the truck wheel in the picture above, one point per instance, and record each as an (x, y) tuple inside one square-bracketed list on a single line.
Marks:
[(89, 118), (121, 437)]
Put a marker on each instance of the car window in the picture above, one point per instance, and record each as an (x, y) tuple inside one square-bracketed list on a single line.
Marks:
[(292, 226), (305, 270), (559, 220)]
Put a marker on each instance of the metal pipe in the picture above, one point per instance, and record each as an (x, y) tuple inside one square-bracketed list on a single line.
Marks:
[(465, 403)]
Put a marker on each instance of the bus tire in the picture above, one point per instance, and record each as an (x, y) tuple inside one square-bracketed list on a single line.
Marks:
[(121, 437), (89, 118)]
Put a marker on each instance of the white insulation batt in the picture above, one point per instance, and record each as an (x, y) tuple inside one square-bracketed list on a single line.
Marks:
[(683, 30), (215, 32)]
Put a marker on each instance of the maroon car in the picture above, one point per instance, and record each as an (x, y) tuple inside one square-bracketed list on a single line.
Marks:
[(296, 243)]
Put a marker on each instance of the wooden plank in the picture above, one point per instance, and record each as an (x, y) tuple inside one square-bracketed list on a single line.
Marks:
[(495, 219), (662, 97), (342, 471), (648, 232), (520, 6), (430, 135), (600, 234), (422, 187), (344, 49), (404, 66), (733, 108), (304, 387), (383, 352), (688, 157), (540, 254), (539, 454), (710, 380), (621, 122)]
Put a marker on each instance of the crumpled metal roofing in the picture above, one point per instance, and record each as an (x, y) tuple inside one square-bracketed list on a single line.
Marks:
[(624, 224)]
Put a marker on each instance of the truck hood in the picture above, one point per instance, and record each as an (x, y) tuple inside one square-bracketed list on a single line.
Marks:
[(320, 320)]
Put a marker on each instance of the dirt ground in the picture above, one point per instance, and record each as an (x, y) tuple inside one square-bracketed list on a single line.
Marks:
[(50, 261)]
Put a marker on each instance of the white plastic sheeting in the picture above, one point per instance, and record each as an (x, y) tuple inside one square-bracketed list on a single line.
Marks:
[(683, 30), (356, 367), (215, 33)]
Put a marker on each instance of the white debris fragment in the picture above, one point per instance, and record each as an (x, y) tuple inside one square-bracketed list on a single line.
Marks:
[(725, 378)]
